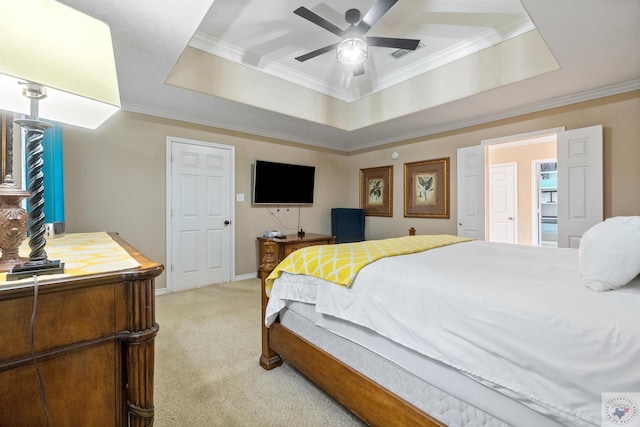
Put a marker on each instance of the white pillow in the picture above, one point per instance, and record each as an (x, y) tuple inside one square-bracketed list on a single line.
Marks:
[(609, 254)]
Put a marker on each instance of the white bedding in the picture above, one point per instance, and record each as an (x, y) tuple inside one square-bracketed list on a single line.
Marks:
[(515, 318)]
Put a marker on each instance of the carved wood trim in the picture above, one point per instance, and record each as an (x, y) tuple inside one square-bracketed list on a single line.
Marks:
[(268, 359), (139, 350)]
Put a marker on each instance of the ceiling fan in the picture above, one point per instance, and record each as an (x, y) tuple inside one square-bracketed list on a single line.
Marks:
[(353, 49)]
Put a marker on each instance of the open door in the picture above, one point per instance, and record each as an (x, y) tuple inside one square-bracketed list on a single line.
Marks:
[(471, 192), (579, 180), (580, 188)]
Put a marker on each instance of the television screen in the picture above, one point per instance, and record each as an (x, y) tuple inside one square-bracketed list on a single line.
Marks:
[(282, 183)]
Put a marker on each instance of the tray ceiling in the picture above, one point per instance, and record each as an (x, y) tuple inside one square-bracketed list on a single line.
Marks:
[(230, 64)]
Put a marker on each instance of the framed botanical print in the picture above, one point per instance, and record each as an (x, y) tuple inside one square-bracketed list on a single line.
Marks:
[(426, 189), (376, 191)]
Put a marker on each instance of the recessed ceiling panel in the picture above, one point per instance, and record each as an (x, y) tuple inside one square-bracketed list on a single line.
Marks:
[(513, 60), (268, 36)]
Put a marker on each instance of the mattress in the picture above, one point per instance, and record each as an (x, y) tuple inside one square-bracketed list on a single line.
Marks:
[(517, 320), (435, 388)]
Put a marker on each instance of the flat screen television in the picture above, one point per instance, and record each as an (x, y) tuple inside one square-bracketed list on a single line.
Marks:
[(282, 184)]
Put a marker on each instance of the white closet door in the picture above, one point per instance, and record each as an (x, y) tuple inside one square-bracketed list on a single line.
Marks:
[(200, 215), (470, 178), (580, 192), (503, 203)]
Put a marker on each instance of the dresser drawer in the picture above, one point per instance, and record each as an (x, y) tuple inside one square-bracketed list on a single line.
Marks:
[(62, 318), (288, 249)]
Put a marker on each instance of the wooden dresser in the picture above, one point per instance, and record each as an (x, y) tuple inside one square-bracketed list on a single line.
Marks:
[(290, 243), (94, 346)]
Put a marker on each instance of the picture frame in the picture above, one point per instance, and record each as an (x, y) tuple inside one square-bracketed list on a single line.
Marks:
[(376, 191), (426, 189), (6, 144)]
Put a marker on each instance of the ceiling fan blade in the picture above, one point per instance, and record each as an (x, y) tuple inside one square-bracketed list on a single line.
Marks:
[(358, 70), (318, 20), (378, 9), (317, 52), (409, 44)]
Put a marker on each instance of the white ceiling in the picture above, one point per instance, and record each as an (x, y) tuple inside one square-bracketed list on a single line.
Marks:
[(596, 48), (266, 35)]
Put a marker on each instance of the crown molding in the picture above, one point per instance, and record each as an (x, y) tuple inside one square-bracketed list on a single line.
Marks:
[(445, 127), (205, 121), (490, 37), (531, 108)]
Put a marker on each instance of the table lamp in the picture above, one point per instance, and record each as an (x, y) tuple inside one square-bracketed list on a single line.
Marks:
[(55, 63)]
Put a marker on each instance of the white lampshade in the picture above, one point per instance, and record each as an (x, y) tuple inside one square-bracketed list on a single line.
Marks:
[(68, 52), (352, 51)]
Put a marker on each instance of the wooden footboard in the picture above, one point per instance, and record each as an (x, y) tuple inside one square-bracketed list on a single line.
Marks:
[(371, 402)]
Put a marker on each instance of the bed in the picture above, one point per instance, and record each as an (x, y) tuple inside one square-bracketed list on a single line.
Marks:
[(465, 333)]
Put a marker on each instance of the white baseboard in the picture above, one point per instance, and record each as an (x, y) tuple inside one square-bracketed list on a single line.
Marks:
[(249, 276), (246, 276)]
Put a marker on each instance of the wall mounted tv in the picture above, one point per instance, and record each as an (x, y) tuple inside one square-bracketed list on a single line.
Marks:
[(282, 184)]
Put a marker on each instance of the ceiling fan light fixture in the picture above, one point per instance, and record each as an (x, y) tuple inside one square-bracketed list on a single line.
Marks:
[(352, 51)]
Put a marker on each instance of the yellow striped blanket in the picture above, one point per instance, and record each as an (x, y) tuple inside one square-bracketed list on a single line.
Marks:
[(341, 263)]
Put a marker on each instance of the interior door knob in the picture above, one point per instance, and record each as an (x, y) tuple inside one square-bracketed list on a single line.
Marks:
[(510, 218), (227, 222)]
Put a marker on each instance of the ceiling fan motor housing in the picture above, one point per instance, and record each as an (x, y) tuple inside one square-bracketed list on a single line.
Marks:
[(352, 16), (353, 49)]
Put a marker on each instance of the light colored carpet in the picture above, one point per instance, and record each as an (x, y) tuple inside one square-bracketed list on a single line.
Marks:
[(207, 372)]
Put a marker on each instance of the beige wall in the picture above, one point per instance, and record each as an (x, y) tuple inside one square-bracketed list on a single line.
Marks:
[(619, 115), (115, 181), (115, 175), (522, 155)]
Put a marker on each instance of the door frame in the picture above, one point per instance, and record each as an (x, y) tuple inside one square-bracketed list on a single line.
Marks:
[(509, 139), (232, 205), (580, 148), (536, 226)]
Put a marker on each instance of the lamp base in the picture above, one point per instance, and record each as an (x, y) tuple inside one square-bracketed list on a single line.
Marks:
[(28, 269)]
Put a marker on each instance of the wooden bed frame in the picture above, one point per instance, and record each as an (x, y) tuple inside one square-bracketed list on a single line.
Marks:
[(371, 402)]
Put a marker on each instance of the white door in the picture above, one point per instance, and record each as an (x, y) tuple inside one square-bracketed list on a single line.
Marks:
[(200, 214), (471, 192), (502, 203), (580, 201)]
